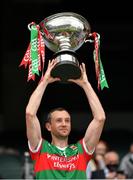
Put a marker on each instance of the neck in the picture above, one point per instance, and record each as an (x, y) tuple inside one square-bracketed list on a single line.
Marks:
[(60, 142)]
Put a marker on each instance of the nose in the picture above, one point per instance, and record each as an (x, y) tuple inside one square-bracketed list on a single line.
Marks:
[(63, 122)]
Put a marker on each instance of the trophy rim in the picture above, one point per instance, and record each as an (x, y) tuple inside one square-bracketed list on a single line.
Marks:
[(51, 37), (67, 13)]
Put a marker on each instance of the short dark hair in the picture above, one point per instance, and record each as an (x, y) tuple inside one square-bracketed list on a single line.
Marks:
[(48, 119)]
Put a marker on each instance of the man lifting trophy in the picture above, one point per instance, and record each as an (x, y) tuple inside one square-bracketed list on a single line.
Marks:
[(63, 33)]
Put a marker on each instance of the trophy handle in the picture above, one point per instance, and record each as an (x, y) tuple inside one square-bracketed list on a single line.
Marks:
[(91, 36)]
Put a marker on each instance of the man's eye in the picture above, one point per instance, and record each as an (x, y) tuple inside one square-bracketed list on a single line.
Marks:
[(58, 120), (67, 120)]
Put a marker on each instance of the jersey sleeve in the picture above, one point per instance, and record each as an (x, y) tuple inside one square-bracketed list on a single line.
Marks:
[(88, 155), (35, 152)]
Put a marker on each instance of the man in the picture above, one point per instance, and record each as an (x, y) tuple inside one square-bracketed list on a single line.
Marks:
[(96, 166), (126, 164), (58, 160), (112, 160)]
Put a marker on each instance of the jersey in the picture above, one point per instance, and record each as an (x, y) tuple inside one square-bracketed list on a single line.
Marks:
[(52, 163)]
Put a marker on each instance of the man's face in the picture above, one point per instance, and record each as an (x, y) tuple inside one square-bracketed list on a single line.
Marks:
[(101, 149), (60, 124), (112, 161), (111, 158)]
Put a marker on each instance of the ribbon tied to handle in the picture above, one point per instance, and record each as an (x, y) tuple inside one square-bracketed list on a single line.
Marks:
[(100, 75)]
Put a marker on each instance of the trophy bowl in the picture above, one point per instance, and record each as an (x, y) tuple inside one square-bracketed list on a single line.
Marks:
[(64, 33)]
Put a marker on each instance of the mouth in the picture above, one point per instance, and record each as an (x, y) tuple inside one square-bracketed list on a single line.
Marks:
[(64, 130)]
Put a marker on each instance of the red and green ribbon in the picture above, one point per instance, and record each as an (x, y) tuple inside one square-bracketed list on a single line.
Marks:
[(35, 54), (100, 75)]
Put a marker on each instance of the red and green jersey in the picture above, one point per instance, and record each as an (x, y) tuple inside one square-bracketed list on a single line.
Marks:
[(52, 163)]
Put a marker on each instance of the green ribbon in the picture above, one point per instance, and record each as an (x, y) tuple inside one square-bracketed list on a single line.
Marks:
[(34, 49), (103, 81)]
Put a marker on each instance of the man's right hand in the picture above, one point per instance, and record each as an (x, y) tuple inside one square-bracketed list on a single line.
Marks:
[(47, 76)]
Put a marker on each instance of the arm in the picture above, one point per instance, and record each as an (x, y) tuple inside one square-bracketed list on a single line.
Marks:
[(95, 128), (32, 122)]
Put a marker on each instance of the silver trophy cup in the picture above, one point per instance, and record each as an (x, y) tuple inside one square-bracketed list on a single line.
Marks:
[(63, 34)]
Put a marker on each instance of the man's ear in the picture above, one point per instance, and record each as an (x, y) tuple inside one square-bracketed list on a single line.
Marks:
[(48, 126)]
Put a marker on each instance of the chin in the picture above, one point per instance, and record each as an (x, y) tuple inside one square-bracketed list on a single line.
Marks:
[(63, 131), (65, 134)]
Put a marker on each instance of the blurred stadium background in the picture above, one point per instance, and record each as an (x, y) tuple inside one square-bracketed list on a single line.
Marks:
[(114, 24)]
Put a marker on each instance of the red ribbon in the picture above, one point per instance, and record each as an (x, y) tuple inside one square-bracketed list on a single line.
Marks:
[(96, 51)]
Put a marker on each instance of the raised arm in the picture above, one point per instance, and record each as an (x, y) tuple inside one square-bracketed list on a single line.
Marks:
[(32, 122), (95, 128)]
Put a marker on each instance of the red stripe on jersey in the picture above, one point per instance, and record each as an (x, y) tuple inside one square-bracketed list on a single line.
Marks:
[(52, 161)]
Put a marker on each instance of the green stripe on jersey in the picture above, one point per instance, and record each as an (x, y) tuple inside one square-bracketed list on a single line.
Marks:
[(55, 174), (72, 149)]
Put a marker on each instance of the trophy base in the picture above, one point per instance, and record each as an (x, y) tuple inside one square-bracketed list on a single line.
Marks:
[(67, 66), (65, 71)]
